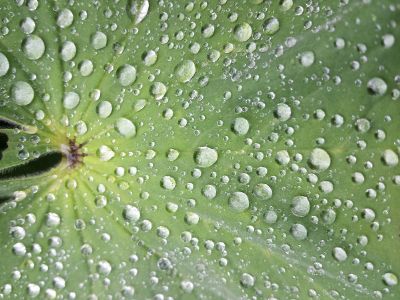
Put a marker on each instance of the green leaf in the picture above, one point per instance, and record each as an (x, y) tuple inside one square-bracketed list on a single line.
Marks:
[(199, 149)]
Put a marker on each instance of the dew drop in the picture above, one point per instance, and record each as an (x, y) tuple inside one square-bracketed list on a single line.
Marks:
[(307, 58), (158, 90), (168, 183), (86, 67), (247, 280), (131, 213), (22, 93), (319, 159), (377, 86), (125, 127), (283, 112), (33, 47), (271, 26), (390, 158), (205, 157), (150, 58), (71, 100), (390, 279), (263, 191), (239, 202), (298, 231), (98, 40), (105, 153), (240, 126), (104, 109), (4, 64), (68, 51), (243, 32), (300, 206), (126, 75), (339, 254), (28, 25), (138, 9), (185, 71), (65, 18)]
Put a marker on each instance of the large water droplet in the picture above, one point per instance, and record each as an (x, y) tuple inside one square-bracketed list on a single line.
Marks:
[(300, 206), (4, 64), (125, 127), (239, 202), (126, 75), (185, 71), (98, 40), (242, 32), (319, 159), (205, 157), (65, 18), (22, 93), (71, 100), (33, 47), (138, 9)]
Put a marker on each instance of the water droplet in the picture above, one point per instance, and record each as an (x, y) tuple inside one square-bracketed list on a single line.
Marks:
[(377, 86), (4, 64), (242, 32), (328, 216), (158, 90), (282, 157), (388, 40), (28, 25), (53, 220), (390, 279), (168, 183), (271, 25), (68, 51), (247, 280), (187, 286), (185, 71), (339, 254), (390, 158), (65, 18), (19, 249), (126, 75), (298, 231), (104, 109), (22, 93), (262, 190), (286, 4), (104, 267), (307, 58), (131, 213), (239, 202), (150, 58), (105, 153), (33, 290), (71, 100), (192, 218), (300, 206), (319, 159), (98, 40), (138, 9), (33, 47), (283, 112), (240, 126), (363, 125), (208, 30), (125, 127), (86, 67), (270, 217), (205, 157)]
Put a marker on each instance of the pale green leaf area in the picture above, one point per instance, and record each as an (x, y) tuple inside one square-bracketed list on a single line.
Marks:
[(190, 149)]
